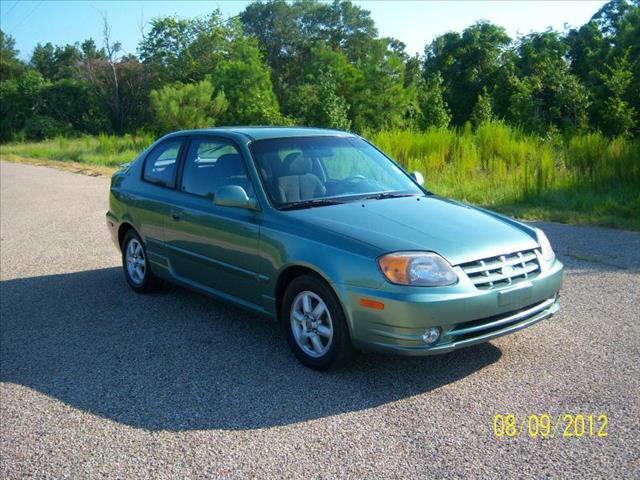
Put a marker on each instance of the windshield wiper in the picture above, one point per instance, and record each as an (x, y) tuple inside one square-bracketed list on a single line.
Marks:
[(383, 195), (316, 202)]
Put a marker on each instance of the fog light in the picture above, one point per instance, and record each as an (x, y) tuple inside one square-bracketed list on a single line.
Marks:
[(431, 336)]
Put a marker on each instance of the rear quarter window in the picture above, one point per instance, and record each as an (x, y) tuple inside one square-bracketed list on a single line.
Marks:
[(160, 166)]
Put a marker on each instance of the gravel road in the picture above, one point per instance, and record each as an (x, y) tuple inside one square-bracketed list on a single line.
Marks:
[(97, 381)]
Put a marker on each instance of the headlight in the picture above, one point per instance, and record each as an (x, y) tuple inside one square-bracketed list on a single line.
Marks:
[(420, 269), (545, 246)]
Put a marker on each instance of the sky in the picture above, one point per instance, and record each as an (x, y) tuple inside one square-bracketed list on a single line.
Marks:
[(416, 23)]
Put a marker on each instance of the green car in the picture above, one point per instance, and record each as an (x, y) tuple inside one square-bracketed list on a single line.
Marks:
[(323, 232)]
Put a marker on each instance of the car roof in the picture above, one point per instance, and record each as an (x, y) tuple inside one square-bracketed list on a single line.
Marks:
[(262, 133)]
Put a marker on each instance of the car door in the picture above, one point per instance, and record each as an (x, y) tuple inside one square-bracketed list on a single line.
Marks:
[(148, 203), (214, 247)]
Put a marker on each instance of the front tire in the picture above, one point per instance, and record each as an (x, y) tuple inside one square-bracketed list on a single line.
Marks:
[(315, 324), (136, 265)]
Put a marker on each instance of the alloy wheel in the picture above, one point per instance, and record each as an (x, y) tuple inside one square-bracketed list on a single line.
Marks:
[(311, 324), (135, 261)]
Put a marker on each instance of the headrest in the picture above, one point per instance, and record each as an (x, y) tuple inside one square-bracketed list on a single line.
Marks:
[(272, 164), (297, 164)]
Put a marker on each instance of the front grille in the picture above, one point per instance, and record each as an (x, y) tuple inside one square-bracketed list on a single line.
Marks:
[(503, 270)]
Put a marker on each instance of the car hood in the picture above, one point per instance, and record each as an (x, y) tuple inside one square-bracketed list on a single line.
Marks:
[(458, 232)]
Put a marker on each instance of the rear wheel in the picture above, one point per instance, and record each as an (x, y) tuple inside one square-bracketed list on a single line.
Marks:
[(315, 324), (136, 266)]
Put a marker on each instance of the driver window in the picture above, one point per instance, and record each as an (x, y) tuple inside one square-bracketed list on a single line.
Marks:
[(211, 164)]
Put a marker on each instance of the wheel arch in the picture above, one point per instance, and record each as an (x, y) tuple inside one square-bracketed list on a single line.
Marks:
[(289, 273), (123, 229)]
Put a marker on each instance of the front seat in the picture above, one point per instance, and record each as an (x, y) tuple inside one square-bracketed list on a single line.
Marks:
[(230, 171), (299, 183)]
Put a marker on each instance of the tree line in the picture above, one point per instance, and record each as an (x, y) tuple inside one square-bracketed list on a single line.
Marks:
[(324, 64)]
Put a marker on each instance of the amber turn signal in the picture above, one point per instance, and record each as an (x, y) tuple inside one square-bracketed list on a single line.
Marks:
[(365, 302), (394, 268)]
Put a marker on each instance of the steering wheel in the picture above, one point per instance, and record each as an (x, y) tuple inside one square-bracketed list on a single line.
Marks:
[(355, 178)]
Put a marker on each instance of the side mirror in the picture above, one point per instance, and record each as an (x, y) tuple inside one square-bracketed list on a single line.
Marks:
[(234, 196), (417, 176)]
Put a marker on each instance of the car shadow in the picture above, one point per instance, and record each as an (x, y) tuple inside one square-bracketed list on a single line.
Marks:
[(177, 360)]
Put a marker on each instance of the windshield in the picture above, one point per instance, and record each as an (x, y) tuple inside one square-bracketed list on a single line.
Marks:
[(304, 169)]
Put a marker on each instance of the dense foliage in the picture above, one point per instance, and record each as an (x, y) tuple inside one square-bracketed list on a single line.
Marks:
[(324, 64)]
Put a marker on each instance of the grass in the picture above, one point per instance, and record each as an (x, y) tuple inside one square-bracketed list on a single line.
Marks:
[(584, 179), (103, 153)]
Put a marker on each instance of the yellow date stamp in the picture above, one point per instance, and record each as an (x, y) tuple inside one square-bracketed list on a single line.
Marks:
[(545, 425)]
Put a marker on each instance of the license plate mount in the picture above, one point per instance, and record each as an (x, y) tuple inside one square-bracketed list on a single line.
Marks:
[(517, 295)]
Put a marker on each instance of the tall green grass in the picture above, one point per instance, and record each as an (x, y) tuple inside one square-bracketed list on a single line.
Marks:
[(102, 150), (582, 179)]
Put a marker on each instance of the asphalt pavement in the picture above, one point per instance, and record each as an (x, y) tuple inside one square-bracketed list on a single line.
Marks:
[(97, 381)]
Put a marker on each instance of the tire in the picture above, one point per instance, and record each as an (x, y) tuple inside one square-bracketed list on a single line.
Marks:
[(315, 324), (136, 265)]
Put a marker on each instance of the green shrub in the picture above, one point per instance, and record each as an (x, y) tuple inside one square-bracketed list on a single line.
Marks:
[(186, 106), (40, 127)]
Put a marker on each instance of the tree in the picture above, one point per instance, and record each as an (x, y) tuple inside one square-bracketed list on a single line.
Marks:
[(349, 28), (621, 114), (483, 110), (468, 63), (182, 50), (324, 64), (433, 109), (56, 63), (43, 60), (125, 105), (549, 99), (20, 99), (543, 90), (318, 104), (278, 27), (75, 104), (611, 17), (612, 33), (112, 51), (9, 121), (134, 94), (10, 64), (90, 51), (326, 72), (246, 82), (119, 81), (288, 32), (185, 106), (333, 108), (380, 99), (191, 50)]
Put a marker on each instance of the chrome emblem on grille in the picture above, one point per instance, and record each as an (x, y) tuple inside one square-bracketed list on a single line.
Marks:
[(507, 270)]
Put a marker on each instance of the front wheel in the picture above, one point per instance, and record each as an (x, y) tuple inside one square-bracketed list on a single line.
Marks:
[(136, 265), (315, 324)]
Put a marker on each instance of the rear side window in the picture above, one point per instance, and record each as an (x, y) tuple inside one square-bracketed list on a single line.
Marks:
[(160, 165)]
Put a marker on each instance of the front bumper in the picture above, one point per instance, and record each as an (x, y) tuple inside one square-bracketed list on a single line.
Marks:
[(465, 314)]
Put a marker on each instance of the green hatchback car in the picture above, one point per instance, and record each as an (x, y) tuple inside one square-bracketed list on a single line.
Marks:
[(323, 232)]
